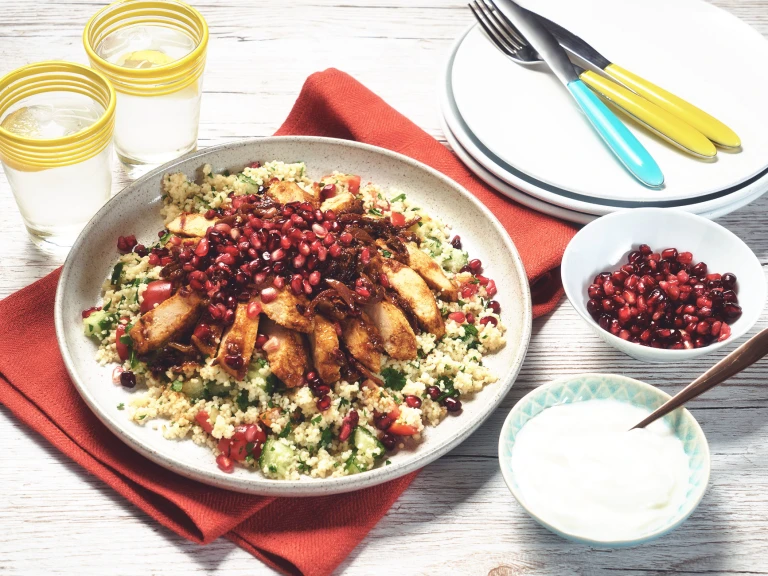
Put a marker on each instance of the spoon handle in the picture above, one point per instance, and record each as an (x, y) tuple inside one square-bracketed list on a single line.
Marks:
[(745, 355)]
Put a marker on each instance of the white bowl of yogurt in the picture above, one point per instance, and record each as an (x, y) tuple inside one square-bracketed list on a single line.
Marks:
[(569, 458)]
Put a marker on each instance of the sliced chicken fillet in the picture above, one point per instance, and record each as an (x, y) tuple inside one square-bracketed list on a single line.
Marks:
[(288, 360), (324, 343), (412, 288), (238, 342), (168, 319), (397, 335)]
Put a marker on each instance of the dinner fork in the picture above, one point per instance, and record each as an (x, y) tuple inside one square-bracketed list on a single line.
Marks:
[(508, 39)]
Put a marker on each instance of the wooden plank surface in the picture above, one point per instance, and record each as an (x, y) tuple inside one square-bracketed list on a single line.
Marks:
[(458, 516)]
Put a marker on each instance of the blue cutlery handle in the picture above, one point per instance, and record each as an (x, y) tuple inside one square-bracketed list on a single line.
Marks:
[(619, 139)]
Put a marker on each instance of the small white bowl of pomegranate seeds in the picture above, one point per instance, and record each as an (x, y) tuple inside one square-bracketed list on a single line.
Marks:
[(663, 285)]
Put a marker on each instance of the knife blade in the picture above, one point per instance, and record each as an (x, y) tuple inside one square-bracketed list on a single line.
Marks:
[(624, 145), (711, 127)]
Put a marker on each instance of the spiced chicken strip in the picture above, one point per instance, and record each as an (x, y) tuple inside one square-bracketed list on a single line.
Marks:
[(286, 192), (362, 340), (411, 288), (430, 271), (396, 333), (237, 344), (284, 310), (158, 326), (186, 224), (209, 343), (324, 343), (288, 360)]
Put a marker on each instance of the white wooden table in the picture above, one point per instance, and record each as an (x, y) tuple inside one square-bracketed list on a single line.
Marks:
[(458, 515)]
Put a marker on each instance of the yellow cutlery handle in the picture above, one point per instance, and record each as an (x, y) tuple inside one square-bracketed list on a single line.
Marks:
[(668, 125), (708, 125)]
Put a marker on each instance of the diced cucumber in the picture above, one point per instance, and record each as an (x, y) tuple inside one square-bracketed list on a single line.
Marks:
[(277, 457), (352, 465), (458, 260), (366, 442), (193, 388), (93, 325), (218, 389)]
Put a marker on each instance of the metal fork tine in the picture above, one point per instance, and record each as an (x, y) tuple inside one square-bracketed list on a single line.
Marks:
[(490, 29), (506, 27), (496, 29)]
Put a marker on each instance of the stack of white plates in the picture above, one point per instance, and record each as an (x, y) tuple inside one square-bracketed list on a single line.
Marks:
[(518, 129)]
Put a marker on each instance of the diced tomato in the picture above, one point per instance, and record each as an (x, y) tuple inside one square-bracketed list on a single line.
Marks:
[(482, 280), (237, 449), (156, 292), (402, 429), (457, 317), (204, 421), (224, 446), (351, 180), (397, 219), (122, 349), (394, 414)]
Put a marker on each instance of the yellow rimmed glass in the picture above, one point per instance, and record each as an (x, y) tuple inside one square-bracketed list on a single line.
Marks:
[(56, 124), (154, 53)]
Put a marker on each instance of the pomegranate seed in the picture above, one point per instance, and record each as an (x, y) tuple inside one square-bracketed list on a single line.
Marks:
[(725, 332), (364, 292), (261, 339), (491, 290), (304, 249), (389, 441), (314, 278), (278, 282), (323, 403), (345, 430), (489, 320), (268, 295), (482, 280), (346, 238), (126, 243), (470, 318), (319, 231), (128, 379), (413, 401), (225, 463), (728, 280), (254, 309), (456, 242), (365, 256), (334, 250), (457, 317), (271, 345), (452, 404), (669, 254), (307, 287), (328, 191), (475, 265)]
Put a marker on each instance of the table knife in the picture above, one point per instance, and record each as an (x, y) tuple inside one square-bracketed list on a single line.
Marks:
[(708, 125), (625, 146)]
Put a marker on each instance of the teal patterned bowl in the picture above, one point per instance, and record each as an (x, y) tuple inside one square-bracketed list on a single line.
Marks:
[(615, 387)]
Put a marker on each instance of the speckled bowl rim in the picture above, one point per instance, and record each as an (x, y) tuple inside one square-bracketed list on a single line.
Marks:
[(692, 503), (260, 485)]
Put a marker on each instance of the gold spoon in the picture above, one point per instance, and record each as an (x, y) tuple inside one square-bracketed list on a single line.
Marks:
[(745, 355)]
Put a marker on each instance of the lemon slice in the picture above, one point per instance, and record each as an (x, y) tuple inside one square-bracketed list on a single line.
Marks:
[(24, 122), (144, 59)]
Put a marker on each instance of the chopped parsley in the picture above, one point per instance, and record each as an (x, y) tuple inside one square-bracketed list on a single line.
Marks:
[(248, 180), (398, 198), (274, 384), (343, 402), (117, 271), (448, 389), (388, 462), (387, 253), (470, 336), (164, 238), (107, 306), (375, 212), (177, 385), (121, 406), (287, 430), (325, 438), (242, 400), (142, 417), (273, 468), (317, 419), (393, 378)]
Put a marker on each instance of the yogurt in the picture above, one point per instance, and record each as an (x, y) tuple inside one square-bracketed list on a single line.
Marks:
[(581, 471)]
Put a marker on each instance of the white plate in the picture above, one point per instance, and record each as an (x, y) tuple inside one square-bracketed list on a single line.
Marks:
[(722, 203), (507, 190), (135, 210), (695, 50)]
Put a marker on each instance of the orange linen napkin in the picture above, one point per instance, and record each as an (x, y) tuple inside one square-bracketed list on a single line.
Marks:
[(295, 535)]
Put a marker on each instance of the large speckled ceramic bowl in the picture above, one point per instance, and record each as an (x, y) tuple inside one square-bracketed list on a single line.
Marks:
[(135, 210), (609, 386)]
